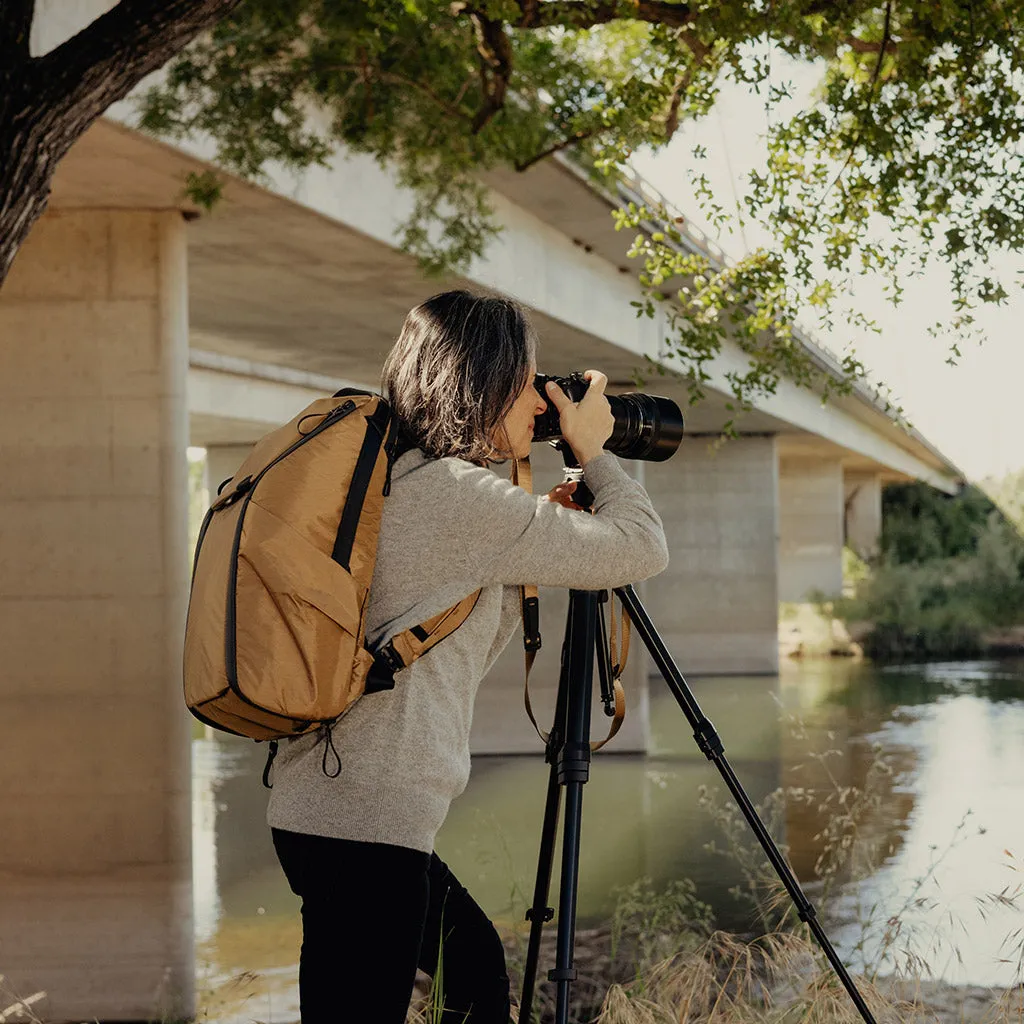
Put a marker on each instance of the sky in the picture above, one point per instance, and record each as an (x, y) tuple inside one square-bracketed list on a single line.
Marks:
[(973, 412)]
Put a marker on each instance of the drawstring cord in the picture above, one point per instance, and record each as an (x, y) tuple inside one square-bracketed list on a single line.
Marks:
[(330, 749), (271, 754)]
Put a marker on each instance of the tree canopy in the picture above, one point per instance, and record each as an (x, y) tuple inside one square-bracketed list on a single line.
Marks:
[(908, 153)]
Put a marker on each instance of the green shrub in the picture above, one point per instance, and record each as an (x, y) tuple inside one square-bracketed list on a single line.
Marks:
[(918, 611), (943, 606), (921, 524)]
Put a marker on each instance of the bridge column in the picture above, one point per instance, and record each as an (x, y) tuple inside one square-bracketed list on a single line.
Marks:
[(716, 605), (810, 527), (863, 505), (95, 866)]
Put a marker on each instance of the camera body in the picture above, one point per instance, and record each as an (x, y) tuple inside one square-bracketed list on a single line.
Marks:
[(647, 427)]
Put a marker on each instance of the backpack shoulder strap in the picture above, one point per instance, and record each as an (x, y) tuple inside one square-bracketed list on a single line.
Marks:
[(404, 648), (404, 441)]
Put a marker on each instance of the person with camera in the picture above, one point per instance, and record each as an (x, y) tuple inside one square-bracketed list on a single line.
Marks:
[(358, 848)]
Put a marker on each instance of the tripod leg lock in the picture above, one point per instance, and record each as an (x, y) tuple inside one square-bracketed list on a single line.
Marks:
[(708, 740), (548, 915), (563, 974), (806, 912), (574, 763)]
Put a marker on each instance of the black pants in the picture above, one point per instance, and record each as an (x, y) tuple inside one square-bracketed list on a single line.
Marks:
[(373, 913)]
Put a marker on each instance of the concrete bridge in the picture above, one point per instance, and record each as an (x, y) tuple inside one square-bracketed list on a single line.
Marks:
[(131, 328)]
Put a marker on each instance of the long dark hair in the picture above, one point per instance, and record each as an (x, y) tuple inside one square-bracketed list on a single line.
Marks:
[(459, 364)]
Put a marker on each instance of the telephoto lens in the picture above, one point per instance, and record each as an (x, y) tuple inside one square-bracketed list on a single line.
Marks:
[(647, 427)]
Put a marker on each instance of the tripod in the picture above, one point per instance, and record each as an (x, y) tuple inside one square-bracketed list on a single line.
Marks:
[(568, 752)]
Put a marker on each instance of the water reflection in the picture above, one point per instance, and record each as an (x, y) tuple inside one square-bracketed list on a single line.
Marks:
[(952, 737)]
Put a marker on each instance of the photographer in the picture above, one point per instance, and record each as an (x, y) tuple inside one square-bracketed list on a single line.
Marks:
[(358, 849)]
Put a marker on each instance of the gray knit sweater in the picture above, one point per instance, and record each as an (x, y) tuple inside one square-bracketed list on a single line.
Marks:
[(450, 527)]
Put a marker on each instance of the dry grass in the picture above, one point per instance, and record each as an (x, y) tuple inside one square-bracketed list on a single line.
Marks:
[(14, 1007)]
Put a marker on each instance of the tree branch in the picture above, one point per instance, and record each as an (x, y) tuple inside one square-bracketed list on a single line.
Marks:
[(860, 46), (675, 101), (886, 27), (586, 13), (700, 52), (15, 30), (523, 165), (368, 73), (102, 63), (495, 66)]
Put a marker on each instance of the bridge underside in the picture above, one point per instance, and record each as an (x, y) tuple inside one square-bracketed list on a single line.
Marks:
[(276, 300)]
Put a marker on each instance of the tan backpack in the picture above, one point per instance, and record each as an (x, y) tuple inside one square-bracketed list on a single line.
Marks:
[(275, 637)]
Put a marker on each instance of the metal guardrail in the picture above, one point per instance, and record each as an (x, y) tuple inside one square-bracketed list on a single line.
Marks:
[(633, 186)]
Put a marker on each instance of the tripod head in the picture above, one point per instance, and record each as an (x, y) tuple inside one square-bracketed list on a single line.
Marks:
[(573, 474)]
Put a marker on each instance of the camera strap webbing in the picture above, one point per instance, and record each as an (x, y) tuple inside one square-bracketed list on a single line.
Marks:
[(529, 606)]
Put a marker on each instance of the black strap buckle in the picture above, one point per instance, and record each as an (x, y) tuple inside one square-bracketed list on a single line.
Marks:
[(390, 657), (531, 624), (386, 662), (547, 915)]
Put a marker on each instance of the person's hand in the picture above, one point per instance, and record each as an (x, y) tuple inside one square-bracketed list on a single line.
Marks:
[(588, 424), (562, 494)]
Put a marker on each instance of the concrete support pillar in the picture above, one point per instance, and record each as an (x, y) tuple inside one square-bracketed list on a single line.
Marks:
[(862, 494), (222, 460), (810, 527), (716, 604), (500, 724), (95, 869)]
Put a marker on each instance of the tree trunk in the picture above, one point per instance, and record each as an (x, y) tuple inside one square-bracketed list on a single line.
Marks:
[(29, 159), (47, 102)]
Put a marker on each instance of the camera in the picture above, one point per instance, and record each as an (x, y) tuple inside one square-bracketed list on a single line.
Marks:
[(646, 427)]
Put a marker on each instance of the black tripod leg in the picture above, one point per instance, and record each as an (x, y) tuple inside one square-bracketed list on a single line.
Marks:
[(573, 766), (711, 746), (540, 913)]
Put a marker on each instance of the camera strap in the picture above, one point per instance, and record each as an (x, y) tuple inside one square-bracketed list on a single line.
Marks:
[(522, 475)]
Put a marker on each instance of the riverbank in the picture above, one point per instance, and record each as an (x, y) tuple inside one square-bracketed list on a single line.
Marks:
[(806, 631)]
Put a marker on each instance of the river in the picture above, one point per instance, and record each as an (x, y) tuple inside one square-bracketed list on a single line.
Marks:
[(937, 752)]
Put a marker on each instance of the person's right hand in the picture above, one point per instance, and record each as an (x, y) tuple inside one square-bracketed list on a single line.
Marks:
[(586, 425)]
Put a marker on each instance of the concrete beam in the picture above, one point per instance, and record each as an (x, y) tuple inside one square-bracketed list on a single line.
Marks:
[(546, 270), (234, 401)]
